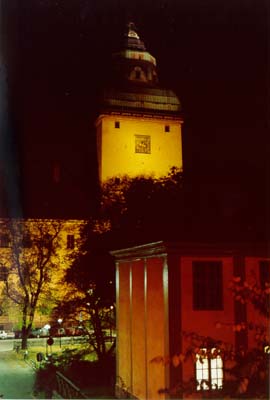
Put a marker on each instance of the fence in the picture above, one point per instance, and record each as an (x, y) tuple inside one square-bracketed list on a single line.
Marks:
[(66, 389)]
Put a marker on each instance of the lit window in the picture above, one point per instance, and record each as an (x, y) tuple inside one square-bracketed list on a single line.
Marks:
[(207, 285), (167, 128), (209, 370), (117, 124), (70, 242), (142, 144)]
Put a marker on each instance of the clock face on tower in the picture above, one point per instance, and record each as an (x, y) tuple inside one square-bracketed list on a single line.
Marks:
[(142, 144)]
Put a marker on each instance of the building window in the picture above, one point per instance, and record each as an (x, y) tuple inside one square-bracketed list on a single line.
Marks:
[(4, 240), (47, 241), (167, 128), (209, 369), (26, 241), (207, 285), (264, 273), (70, 242), (3, 273), (142, 144), (117, 124)]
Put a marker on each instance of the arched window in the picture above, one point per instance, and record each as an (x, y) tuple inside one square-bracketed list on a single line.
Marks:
[(137, 74)]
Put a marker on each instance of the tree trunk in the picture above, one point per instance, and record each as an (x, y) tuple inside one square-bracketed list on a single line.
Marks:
[(24, 339), (25, 335)]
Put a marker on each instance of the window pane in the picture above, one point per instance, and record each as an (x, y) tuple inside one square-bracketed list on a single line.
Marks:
[(216, 366), (4, 240), (202, 371), (207, 285), (70, 241)]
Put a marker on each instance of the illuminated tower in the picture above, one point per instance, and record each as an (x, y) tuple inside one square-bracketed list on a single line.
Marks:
[(139, 126)]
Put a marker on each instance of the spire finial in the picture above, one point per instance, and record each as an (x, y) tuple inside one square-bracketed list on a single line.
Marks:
[(132, 31)]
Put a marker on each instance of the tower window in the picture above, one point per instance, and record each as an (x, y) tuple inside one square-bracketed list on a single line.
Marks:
[(70, 242), (209, 369), (167, 128), (138, 74), (207, 285), (142, 144), (117, 124)]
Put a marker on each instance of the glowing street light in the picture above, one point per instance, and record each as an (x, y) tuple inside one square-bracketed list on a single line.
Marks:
[(111, 309), (60, 320)]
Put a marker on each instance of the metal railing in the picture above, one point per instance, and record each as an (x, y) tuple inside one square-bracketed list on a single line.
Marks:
[(66, 389)]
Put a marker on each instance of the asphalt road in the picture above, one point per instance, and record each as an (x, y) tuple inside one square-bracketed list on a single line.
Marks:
[(16, 377)]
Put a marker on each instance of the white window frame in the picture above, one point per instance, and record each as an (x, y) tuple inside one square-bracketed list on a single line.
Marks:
[(209, 370)]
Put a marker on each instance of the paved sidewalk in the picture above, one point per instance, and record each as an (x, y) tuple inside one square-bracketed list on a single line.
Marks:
[(16, 377)]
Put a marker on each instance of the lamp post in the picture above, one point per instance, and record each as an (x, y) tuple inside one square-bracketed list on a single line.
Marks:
[(60, 320), (111, 309)]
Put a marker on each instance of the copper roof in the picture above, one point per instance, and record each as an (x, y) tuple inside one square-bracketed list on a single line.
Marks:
[(142, 94), (142, 98)]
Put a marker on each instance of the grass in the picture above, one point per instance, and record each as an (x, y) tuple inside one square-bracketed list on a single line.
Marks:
[(35, 347), (94, 380)]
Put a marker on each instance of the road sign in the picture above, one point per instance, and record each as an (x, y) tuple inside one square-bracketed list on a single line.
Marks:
[(50, 341)]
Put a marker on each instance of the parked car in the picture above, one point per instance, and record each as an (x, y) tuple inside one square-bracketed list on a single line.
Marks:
[(35, 333), (3, 335), (10, 335), (39, 332)]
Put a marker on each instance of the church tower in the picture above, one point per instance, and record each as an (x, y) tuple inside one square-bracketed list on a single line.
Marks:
[(139, 125)]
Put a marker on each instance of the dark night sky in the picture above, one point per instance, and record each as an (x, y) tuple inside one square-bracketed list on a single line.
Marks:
[(212, 53)]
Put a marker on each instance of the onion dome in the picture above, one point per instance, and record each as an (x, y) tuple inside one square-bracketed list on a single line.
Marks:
[(135, 86)]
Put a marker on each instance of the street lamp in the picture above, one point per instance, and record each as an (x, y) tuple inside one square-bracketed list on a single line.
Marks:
[(111, 309), (60, 320)]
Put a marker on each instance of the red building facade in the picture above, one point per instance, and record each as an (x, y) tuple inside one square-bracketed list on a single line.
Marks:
[(169, 292)]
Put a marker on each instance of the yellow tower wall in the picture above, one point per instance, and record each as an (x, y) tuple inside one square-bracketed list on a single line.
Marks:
[(116, 146)]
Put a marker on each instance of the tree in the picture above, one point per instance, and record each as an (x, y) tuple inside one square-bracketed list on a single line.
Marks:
[(90, 302), (35, 261), (131, 208), (140, 209)]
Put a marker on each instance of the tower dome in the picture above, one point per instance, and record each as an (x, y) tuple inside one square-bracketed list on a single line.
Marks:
[(133, 62), (134, 84)]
